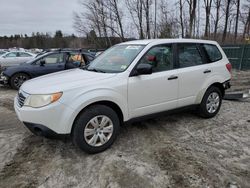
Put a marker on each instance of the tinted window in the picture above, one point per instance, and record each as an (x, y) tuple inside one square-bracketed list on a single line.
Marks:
[(160, 57), (189, 55), (213, 52), (12, 54), (22, 54), (53, 58)]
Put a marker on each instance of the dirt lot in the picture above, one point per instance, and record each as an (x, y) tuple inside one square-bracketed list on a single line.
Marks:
[(180, 150)]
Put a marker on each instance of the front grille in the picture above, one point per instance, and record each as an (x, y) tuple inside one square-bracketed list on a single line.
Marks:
[(20, 99)]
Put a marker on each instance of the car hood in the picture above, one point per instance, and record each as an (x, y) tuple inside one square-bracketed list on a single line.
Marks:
[(62, 81)]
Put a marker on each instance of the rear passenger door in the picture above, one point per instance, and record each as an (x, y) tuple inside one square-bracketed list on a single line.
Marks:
[(193, 71)]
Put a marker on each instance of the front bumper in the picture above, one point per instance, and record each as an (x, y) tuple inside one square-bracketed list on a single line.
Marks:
[(4, 80), (52, 119)]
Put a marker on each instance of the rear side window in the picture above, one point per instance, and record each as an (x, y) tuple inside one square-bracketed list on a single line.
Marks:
[(53, 58), (189, 55), (12, 54), (22, 54), (213, 52)]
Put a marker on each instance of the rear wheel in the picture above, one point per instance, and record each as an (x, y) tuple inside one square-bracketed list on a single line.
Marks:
[(211, 102), (96, 129), (18, 79)]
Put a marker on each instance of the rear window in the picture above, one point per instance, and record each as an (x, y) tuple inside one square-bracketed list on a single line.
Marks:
[(213, 52)]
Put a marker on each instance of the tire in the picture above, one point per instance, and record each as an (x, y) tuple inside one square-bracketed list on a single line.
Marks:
[(213, 96), (88, 131), (18, 79)]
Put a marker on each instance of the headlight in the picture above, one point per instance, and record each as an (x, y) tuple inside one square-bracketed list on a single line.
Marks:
[(4, 78), (37, 101)]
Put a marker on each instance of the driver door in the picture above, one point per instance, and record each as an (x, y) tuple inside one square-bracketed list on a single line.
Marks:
[(158, 91)]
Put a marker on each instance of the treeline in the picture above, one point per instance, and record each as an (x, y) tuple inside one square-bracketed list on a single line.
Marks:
[(58, 40), (226, 21), (41, 41)]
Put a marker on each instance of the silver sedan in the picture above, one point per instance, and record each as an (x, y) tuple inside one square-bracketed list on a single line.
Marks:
[(15, 58)]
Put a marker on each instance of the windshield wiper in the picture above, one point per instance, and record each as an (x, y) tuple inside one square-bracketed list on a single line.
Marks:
[(95, 70)]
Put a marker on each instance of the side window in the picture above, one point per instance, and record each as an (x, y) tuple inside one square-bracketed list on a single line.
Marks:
[(22, 54), (75, 58), (213, 52), (12, 54), (53, 58), (189, 55), (160, 57)]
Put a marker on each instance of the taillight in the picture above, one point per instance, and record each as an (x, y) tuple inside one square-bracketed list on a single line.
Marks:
[(229, 67)]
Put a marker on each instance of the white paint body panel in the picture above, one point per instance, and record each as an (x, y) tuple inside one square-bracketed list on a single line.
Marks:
[(136, 96)]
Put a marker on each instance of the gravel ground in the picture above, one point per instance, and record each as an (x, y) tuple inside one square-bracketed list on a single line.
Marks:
[(180, 150)]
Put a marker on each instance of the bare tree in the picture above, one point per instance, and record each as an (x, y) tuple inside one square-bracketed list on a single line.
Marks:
[(181, 4), (192, 10), (155, 17), (106, 19), (217, 17), (117, 13), (246, 22), (228, 3), (237, 20), (135, 8), (146, 6), (208, 4)]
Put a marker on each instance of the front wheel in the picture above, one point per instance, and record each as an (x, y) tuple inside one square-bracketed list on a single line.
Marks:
[(211, 102), (96, 128), (18, 79)]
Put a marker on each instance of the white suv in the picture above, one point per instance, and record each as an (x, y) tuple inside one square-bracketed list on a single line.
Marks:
[(128, 81)]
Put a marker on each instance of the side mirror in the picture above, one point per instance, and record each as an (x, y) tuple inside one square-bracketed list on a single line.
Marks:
[(143, 69), (42, 62)]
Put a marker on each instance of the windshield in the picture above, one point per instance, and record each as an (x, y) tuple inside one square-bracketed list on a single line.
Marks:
[(116, 59)]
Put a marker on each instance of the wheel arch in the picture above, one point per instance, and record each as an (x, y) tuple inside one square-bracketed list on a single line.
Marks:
[(220, 86), (15, 73), (23, 72), (108, 103), (203, 91)]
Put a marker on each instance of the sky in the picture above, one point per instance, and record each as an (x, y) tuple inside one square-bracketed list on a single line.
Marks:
[(27, 16)]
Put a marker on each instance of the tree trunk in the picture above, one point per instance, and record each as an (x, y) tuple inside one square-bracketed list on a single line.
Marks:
[(237, 21), (217, 5), (226, 21), (192, 9), (208, 4), (181, 18)]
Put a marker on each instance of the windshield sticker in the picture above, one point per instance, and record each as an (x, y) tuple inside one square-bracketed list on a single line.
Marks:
[(123, 67), (133, 47)]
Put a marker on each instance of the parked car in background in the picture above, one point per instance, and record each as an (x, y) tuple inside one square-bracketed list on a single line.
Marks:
[(44, 64), (129, 81), (15, 58), (2, 53)]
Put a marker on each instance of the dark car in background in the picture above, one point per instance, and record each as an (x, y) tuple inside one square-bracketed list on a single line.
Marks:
[(47, 63)]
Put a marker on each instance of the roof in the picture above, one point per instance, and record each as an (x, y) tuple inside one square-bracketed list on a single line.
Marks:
[(177, 40)]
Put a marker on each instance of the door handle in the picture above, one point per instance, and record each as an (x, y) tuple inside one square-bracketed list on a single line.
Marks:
[(206, 71), (172, 77)]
